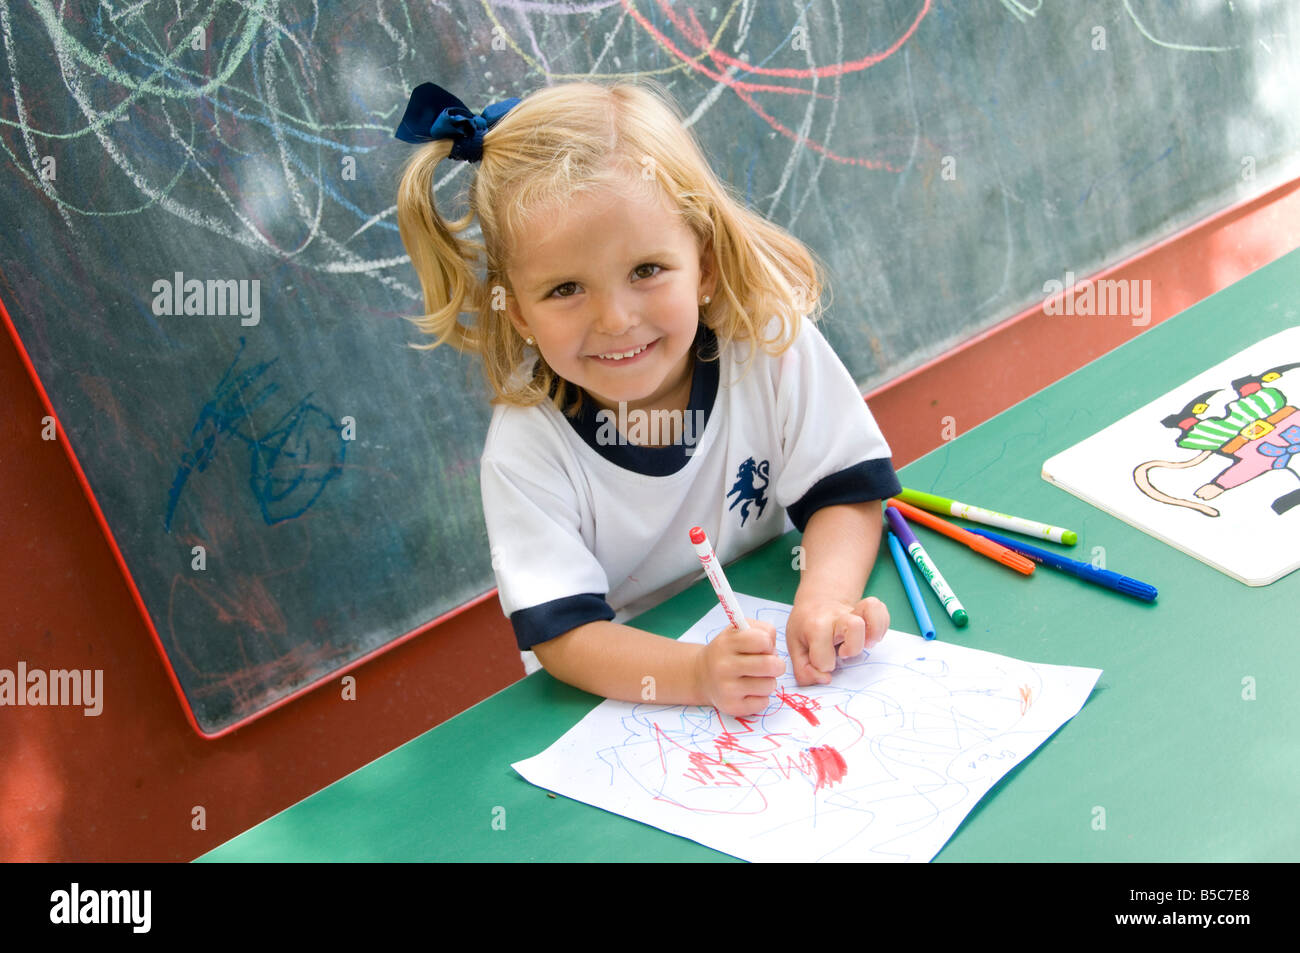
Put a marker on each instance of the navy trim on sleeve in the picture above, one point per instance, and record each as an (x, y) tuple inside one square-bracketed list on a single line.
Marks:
[(860, 483), (661, 461), (552, 619)]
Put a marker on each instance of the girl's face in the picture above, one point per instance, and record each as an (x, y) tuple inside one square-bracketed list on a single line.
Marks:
[(611, 289)]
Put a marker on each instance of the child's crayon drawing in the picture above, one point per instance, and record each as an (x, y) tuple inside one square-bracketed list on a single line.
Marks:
[(1256, 432), (1212, 467), (881, 764)]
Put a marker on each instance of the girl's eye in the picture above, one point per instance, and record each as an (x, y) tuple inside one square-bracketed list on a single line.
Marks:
[(556, 291)]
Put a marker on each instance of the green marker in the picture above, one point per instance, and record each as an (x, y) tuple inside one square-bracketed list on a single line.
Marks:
[(941, 504), (903, 531)]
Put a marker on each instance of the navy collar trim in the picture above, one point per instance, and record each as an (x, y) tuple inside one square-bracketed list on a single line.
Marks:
[(596, 427)]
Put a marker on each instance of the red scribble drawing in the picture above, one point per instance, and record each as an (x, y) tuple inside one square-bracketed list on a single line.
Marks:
[(882, 764), (722, 766), (800, 703), (752, 758), (830, 765)]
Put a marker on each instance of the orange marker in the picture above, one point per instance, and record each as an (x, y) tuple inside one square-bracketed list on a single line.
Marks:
[(985, 547)]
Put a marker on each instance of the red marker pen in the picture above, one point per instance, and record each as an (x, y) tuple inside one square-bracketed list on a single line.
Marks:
[(713, 569)]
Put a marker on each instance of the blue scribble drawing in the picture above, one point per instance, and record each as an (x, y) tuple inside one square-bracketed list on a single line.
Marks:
[(927, 759), (290, 463), (882, 764)]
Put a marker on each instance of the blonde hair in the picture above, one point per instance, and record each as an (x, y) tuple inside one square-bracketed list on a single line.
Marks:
[(578, 137)]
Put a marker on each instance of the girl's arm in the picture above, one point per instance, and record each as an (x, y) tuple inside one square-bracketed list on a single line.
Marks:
[(840, 544), (736, 672)]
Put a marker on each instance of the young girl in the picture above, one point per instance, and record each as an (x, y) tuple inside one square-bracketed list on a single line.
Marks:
[(644, 335)]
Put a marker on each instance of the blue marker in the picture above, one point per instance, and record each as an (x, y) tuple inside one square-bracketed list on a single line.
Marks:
[(1085, 571), (909, 586)]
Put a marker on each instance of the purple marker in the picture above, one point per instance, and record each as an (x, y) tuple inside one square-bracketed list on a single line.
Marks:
[(928, 569)]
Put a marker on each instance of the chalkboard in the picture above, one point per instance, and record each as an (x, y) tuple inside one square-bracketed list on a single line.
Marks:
[(201, 258)]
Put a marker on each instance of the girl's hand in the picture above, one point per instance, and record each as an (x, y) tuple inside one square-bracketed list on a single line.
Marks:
[(737, 671), (818, 627)]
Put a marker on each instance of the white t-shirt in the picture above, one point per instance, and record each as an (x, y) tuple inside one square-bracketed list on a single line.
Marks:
[(584, 525)]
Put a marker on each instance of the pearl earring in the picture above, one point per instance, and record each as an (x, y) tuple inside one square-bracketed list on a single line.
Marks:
[(706, 300), (528, 341)]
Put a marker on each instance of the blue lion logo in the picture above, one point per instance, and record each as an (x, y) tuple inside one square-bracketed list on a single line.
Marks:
[(746, 492)]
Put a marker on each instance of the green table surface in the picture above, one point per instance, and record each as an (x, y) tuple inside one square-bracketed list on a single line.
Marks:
[(1183, 765)]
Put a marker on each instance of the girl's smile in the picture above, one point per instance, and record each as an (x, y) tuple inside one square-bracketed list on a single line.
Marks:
[(623, 358)]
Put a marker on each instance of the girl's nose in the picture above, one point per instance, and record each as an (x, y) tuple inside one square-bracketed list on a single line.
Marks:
[(614, 316)]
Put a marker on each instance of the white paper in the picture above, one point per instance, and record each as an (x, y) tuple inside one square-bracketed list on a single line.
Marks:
[(880, 765), (1135, 470)]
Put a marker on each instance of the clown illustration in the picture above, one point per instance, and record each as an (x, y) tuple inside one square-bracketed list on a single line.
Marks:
[(1259, 432)]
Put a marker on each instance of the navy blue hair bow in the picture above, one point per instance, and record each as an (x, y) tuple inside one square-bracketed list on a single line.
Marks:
[(433, 113)]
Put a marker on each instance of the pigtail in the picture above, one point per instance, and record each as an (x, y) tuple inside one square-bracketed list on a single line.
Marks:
[(443, 262), (503, 352), (782, 277)]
